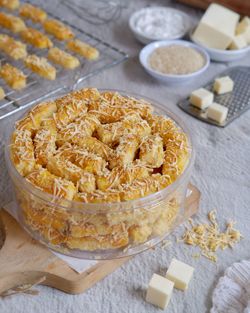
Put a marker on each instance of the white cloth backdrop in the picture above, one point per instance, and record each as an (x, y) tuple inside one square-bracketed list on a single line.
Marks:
[(221, 172)]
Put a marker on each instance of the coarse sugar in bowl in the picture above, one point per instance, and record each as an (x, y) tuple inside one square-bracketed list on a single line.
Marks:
[(99, 174)]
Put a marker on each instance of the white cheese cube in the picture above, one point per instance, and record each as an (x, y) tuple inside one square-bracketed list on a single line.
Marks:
[(246, 34), (217, 112), (180, 273), (243, 28), (159, 291), (201, 98), (238, 42), (223, 84), (217, 27), (242, 25)]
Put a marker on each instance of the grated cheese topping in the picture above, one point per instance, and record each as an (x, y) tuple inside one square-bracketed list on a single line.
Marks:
[(209, 237), (126, 155)]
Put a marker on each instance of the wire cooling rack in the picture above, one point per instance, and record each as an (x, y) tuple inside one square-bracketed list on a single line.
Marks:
[(38, 88)]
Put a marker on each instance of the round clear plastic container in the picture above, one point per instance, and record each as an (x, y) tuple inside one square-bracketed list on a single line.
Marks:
[(133, 226)]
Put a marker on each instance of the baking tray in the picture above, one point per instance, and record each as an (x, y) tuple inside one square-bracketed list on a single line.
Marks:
[(237, 101), (38, 88)]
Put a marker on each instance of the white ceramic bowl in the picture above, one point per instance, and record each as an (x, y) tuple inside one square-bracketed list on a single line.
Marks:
[(144, 38), (167, 78), (223, 55)]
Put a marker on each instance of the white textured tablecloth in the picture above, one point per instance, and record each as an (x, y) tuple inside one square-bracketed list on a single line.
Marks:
[(221, 172)]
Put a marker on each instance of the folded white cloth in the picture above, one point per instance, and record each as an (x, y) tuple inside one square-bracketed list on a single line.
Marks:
[(232, 293)]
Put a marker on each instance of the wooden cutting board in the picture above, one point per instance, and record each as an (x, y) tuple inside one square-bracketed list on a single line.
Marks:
[(24, 261), (240, 6)]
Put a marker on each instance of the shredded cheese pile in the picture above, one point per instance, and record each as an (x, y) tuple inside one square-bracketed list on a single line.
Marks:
[(209, 237)]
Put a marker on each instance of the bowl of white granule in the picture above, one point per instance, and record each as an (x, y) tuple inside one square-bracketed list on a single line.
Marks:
[(159, 23), (174, 61)]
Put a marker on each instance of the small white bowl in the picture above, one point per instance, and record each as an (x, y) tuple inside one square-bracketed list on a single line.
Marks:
[(170, 78), (144, 38), (223, 55)]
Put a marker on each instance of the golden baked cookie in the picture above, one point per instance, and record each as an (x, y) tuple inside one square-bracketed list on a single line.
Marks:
[(58, 29), (63, 58), (9, 4), (13, 77), (34, 13), (2, 93), (83, 49), (36, 38), (13, 48), (40, 66), (12, 22), (93, 152)]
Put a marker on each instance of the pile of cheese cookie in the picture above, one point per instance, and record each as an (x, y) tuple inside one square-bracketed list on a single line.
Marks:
[(98, 147)]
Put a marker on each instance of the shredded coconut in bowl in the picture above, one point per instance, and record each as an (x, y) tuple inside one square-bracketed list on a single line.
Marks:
[(176, 60)]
